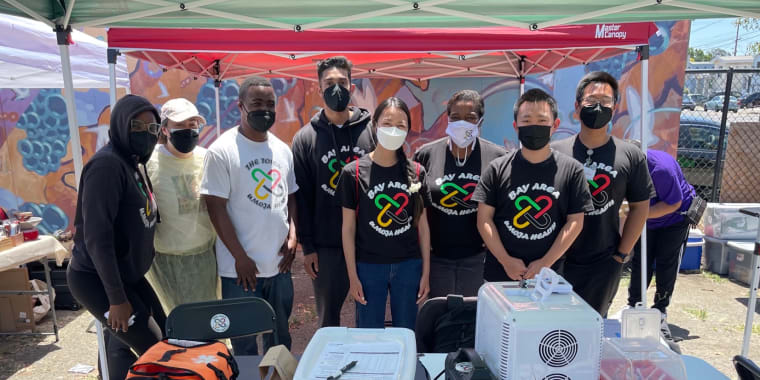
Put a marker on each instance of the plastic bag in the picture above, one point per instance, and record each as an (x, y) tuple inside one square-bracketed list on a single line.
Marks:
[(41, 303)]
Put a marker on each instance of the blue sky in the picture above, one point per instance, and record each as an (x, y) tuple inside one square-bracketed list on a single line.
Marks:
[(720, 33)]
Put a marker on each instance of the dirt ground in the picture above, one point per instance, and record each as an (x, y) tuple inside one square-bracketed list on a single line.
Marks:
[(707, 313)]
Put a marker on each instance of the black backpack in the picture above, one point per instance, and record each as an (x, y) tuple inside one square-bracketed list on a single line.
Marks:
[(455, 328)]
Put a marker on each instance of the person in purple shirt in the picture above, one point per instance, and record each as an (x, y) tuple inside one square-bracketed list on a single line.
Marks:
[(667, 231)]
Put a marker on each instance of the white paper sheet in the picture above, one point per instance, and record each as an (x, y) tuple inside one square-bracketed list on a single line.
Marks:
[(374, 361)]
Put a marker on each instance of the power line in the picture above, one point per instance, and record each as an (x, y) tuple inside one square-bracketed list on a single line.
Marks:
[(706, 26), (716, 41)]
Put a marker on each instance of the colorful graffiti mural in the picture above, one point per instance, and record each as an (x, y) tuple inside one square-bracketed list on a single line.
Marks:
[(37, 173)]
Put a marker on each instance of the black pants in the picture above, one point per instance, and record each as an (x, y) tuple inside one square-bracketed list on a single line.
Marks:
[(596, 282), (146, 331), (664, 247), (331, 286)]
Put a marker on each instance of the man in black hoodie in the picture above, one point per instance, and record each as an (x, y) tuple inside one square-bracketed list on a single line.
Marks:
[(115, 221), (336, 136)]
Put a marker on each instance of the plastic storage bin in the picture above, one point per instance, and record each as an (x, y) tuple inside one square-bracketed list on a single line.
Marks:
[(741, 261), (640, 323), (716, 255), (724, 221), (401, 338), (633, 359), (692, 256)]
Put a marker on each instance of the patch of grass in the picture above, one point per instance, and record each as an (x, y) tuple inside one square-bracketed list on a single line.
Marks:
[(740, 328), (713, 276), (700, 314)]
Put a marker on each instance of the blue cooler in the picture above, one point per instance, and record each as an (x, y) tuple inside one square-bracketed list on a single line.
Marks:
[(692, 256)]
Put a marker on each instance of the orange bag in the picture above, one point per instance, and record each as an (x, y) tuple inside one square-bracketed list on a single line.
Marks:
[(166, 361)]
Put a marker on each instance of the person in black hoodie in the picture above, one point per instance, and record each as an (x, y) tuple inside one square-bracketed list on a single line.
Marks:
[(115, 221), (336, 136)]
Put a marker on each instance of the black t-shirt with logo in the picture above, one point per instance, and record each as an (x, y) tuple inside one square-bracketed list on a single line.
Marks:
[(532, 202), (615, 171), (383, 199), (452, 213)]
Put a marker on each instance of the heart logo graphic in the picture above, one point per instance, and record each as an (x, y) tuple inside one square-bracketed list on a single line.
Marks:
[(402, 205), (598, 188)]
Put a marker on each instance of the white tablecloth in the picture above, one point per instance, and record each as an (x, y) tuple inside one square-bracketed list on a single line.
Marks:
[(45, 246)]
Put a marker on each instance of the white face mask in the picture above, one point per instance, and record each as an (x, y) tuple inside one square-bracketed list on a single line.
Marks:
[(463, 133), (391, 138)]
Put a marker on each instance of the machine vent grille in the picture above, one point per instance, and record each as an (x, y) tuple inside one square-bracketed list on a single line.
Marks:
[(504, 360), (557, 376), (558, 348)]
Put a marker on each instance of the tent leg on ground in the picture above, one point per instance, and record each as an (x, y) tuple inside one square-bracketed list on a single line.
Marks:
[(644, 55)]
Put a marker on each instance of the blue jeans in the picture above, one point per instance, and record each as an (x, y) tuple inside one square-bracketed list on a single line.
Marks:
[(278, 291), (402, 280)]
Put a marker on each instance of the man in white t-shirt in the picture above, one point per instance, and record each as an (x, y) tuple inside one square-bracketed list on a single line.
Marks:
[(249, 185)]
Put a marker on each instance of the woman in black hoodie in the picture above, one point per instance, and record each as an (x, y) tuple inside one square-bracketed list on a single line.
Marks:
[(115, 221)]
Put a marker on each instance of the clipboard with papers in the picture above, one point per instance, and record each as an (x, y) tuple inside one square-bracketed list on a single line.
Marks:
[(380, 354)]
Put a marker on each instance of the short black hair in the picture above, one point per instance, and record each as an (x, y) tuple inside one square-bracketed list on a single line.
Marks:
[(252, 81), (597, 77), (536, 95), (467, 96), (339, 62)]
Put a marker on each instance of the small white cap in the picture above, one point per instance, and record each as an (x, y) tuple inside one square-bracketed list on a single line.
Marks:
[(179, 110)]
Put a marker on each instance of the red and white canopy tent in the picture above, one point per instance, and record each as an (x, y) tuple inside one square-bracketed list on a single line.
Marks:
[(412, 54)]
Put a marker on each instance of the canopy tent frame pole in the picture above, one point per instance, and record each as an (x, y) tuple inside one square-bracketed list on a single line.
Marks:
[(71, 112), (522, 75), (30, 12), (148, 12), (752, 297), (402, 7), (217, 84), (644, 57), (599, 13), (227, 15), (112, 56), (456, 13), (67, 15)]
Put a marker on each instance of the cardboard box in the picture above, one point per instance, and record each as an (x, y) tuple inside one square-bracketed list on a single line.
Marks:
[(16, 313)]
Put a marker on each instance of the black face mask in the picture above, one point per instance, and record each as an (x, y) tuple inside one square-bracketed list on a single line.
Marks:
[(184, 140), (596, 116), (534, 137), (337, 97), (142, 144), (261, 120)]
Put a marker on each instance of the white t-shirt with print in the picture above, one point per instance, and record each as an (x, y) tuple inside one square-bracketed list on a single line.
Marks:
[(256, 179)]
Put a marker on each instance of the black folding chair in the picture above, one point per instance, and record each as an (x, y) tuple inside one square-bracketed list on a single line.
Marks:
[(429, 314), (221, 319), (746, 369)]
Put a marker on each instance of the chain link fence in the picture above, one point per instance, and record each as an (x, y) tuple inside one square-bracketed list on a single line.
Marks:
[(719, 135)]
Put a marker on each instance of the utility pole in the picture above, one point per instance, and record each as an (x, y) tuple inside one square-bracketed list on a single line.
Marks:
[(736, 41)]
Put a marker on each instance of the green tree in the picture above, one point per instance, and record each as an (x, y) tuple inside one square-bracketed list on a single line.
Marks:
[(718, 52), (699, 55)]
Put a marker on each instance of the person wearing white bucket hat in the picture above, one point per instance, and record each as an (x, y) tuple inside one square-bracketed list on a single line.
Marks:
[(184, 269)]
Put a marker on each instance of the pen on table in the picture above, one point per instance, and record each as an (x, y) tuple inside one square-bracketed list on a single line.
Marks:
[(343, 370)]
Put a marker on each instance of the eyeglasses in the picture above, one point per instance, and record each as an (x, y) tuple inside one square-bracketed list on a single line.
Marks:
[(470, 118), (141, 126), (603, 100)]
